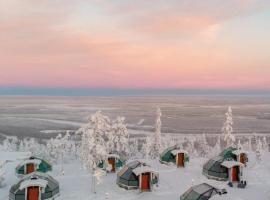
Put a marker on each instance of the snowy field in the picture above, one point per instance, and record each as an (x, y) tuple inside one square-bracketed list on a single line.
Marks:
[(76, 183), (184, 121), (44, 117)]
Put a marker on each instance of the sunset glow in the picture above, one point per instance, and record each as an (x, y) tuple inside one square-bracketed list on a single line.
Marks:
[(135, 44)]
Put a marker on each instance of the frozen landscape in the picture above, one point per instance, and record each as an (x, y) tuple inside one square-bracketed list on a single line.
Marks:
[(76, 184), (193, 122), (43, 117), (127, 100)]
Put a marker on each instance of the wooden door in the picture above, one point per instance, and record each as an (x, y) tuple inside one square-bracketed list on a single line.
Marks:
[(145, 184), (30, 168), (242, 158), (235, 174), (33, 193), (111, 162), (181, 160)]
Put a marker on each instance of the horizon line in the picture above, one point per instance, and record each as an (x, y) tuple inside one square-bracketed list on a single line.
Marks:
[(42, 91)]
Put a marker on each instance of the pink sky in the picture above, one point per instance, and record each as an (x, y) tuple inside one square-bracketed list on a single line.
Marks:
[(135, 44)]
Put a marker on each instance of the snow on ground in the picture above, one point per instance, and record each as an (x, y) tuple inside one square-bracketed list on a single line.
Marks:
[(13, 156), (76, 183)]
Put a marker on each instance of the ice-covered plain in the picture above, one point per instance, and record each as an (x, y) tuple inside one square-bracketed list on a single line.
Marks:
[(43, 117)]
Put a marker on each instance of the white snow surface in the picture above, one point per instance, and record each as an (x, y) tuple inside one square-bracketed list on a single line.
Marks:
[(32, 161), (36, 182), (139, 170), (177, 151), (173, 181), (113, 156), (12, 156), (229, 164)]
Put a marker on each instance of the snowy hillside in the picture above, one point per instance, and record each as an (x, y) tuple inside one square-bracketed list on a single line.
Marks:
[(78, 160), (76, 183)]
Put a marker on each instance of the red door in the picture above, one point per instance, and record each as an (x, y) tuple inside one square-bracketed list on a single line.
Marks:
[(145, 185), (30, 168), (235, 171), (111, 161), (181, 157), (33, 193)]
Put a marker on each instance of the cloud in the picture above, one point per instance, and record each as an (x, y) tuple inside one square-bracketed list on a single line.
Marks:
[(170, 25), (180, 17), (120, 43)]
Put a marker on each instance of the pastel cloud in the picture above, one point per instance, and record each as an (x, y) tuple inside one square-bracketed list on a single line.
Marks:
[(125, 44)]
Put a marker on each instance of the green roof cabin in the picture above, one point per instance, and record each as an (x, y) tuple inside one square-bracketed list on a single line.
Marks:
[(137, 175), (202, 191), (224, 167), (174, 155), (35, 186), (112, 164), (33, 164)]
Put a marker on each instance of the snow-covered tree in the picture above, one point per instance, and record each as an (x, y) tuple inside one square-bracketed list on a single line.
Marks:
[(133, 147), (2, 179), (245, 145), (253, 142), (188, 144), (31, 145), (146, 146), (10, 144), (227, 129), (250, 147), (265, 144), (239, 145), (217, 148), (157, 135), (51, 148), (258, 150), (60, 148), (153, 143), (118, 139), (93, 146), (203, 148)]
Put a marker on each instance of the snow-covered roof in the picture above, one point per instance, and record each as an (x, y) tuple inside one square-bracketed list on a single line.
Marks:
[(139, 170), (143, 161), (113, 156), (33, 182), (177, 151), (31, 161), (230, 164), (13, 156), (239, 151)]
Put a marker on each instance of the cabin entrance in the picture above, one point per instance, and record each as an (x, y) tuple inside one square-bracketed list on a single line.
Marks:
[(111, 162), (235, 174), (30, 168), (243, 158), (33, 193), (145, 185), (181, 160)]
